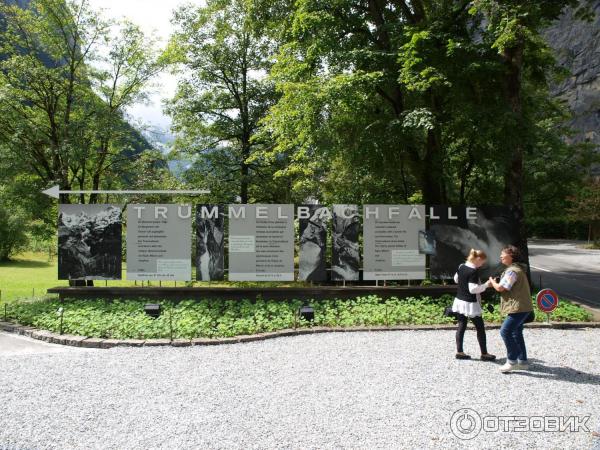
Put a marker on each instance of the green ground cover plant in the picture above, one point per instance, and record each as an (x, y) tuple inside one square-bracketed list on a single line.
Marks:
[(211, 318)]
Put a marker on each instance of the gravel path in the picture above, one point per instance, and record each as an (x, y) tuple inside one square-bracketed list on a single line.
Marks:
[(337, 390)]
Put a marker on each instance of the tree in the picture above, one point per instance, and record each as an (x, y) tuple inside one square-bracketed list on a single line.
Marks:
[(514, 30), (586, 207), (222, 97), (131, 63), (45, 85), (444, 101), (61, 117), (393, 90), (13, 228)]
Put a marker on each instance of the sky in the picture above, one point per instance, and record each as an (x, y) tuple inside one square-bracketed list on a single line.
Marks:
[(153, 16)]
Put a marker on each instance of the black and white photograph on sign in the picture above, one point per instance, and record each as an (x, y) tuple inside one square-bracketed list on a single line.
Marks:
[(490, 228), (345, 264), (89, 242), (427, 242), (210, 233), (313, 243)]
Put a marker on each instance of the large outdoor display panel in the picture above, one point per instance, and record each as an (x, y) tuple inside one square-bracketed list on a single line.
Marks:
[(159, 243), (391, 242), (313, 221), (396, 241), (457, 230), (89, 242), (210, 240), (261, 242), (345, 263)]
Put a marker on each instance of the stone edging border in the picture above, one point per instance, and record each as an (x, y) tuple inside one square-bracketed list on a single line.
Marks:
[(90, 342)]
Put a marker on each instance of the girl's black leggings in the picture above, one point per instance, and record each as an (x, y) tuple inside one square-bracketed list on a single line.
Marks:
[(462, 327)]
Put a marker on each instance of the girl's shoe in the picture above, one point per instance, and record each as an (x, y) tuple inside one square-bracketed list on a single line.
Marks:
[(488, 357), (462, 356)]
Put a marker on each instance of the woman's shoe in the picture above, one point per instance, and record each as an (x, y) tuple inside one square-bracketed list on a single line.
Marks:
[(508, 367), (462, 356), (488, 357), (522, 365)]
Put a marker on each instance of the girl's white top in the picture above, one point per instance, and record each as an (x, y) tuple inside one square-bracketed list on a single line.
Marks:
[(470, 309)]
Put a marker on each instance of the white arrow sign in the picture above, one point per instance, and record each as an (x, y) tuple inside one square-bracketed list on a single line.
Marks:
[(55, 191)]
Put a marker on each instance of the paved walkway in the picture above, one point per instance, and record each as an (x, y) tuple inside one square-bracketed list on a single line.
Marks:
[(571, 271), (12, 344)]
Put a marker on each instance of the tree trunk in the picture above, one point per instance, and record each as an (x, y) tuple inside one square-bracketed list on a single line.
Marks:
[(245, 171), (432, 172), (464, 179), (513, 177), (95, 186), (64, 198), (82, 187), (432, 175)]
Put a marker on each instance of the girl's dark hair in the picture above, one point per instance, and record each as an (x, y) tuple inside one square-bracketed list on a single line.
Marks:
[(513, 251)]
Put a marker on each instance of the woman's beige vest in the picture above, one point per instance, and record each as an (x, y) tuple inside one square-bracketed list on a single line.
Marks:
[(518, 299)]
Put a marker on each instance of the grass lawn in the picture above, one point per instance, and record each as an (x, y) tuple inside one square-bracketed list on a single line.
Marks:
[(30, 274), (592, 246)]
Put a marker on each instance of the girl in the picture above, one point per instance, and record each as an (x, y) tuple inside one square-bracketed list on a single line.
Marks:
[(467, 304)]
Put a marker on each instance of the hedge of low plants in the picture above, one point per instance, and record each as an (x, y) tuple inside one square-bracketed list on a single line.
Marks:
[(125, 319)]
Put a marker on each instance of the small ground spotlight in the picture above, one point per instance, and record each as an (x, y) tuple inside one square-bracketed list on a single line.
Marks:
[(307, 313), (152, 309)]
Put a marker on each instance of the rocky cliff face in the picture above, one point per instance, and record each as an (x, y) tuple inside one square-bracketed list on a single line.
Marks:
[(577, 46)]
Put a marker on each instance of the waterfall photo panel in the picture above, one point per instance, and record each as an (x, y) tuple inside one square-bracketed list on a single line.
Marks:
[(210, 240), (313, 243), (459, 229), (89, 242), (345, 263)]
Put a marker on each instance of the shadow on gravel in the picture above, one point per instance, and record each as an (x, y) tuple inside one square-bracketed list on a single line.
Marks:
[(537, 370)]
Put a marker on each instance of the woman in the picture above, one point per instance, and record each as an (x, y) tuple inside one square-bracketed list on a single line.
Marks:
[(517, 305), (467, 304)]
